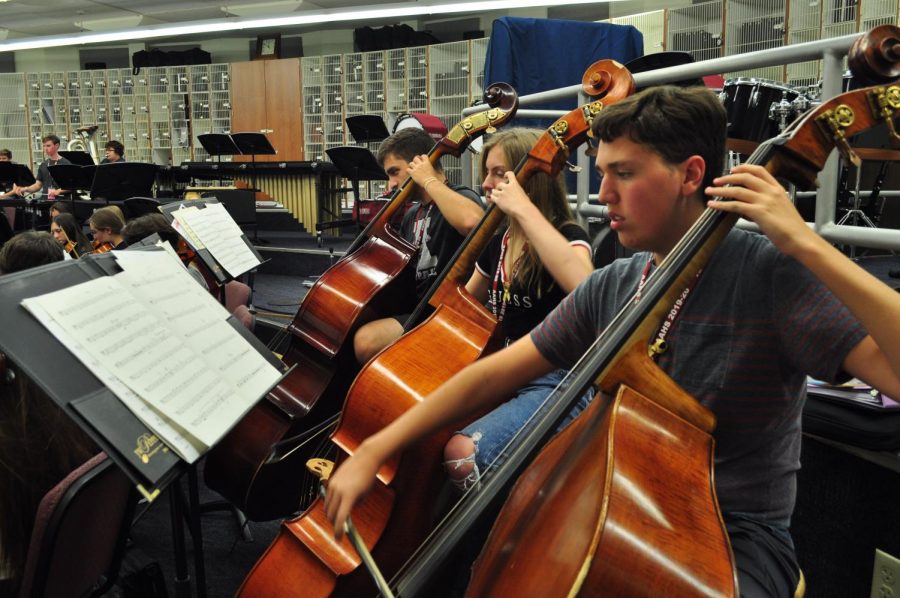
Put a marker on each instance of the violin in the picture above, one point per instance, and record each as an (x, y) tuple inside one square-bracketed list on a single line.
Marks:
[(190, 258), (258, 465), (394, 518), (102, 246), (70, 248)]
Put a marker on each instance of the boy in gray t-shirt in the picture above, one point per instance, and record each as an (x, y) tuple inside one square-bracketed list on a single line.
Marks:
[(765, 312)]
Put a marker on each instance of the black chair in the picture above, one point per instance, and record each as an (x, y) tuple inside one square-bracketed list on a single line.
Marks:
[(79, 533)]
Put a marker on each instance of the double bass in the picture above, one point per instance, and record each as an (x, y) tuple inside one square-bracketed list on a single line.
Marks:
[(305, 559), (623, 498), (257, 466)]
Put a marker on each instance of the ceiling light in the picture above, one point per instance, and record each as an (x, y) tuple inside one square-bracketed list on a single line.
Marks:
[(280, 7), (110, 23), (395, 11)]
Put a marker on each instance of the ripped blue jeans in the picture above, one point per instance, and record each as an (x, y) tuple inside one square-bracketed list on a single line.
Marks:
[(493, 432)]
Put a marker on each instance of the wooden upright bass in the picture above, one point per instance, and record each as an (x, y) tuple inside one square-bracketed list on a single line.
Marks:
[(622, 502), (305, 560), (257, 465)]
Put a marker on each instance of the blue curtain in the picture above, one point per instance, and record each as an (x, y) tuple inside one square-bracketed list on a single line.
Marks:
[(539, 54)]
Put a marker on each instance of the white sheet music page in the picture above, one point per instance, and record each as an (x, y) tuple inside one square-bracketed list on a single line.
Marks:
[(158, 333), (217, 230), (184, 229), (199, 319), (177, 438)]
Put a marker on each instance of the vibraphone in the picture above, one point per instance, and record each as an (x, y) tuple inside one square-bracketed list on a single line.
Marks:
[(308, 190)]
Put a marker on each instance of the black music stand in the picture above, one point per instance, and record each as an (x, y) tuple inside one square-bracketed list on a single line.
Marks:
[(218, 145), (119, 181), (73, 177), (19, 174), (253, 144), (356, 164), (78, 158), (366, 128)]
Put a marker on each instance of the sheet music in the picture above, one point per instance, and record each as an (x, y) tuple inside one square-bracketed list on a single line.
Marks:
[(217, 230), (177, 438), (198, 318), (156, 332), (184, 229)]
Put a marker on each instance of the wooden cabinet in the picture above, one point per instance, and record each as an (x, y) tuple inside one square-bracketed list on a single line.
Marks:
[(266, 98)]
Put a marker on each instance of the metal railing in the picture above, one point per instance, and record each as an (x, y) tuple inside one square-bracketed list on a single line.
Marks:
[(832, 51)]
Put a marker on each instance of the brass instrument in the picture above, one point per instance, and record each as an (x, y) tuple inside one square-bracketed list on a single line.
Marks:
[(85, 142)]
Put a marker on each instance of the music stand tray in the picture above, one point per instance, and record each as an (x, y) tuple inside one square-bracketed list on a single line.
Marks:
[(121, 181), (13, 172), (73, 176), (218, 144), (253, 144), (78, 158), (365, 128), (357, 164)]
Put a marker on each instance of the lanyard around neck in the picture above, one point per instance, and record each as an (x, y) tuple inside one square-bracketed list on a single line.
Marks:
[(659, 345), (501, 279)]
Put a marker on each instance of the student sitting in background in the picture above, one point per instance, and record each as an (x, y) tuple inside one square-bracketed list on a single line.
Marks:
[(67, 232), (28, 250)]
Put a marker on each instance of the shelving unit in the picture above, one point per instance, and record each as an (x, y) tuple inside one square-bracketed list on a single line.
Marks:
[(697, 29), (652, 26), (159, 113), (14, 116), (755, 25), (312, 81), (451, 68)]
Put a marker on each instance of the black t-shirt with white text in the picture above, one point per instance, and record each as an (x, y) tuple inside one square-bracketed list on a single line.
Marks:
[(441, 240)]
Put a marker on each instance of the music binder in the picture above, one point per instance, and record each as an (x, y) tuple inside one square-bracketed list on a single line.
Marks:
[(140, 453), (205, 256), (221, 274)]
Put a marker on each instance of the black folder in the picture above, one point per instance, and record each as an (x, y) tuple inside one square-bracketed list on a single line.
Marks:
[(218, 271), (59, 373)]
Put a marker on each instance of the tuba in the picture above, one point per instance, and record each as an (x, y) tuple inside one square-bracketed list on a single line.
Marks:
[(84, 142)]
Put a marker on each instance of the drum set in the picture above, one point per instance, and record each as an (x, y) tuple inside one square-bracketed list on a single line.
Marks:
[(760, 109)]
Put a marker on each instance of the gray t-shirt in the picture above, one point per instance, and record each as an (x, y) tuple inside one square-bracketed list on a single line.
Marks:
[(756, 323), (45, 177)]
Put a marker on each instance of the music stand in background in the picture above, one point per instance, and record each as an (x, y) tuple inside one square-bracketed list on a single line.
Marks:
[(356, 164), (367, 128), (118, 182), (253, 144), (73, 178), (218, 145), (77, 158), (19, 174)]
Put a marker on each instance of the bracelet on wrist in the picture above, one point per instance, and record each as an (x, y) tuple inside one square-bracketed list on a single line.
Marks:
[(427, 182)]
